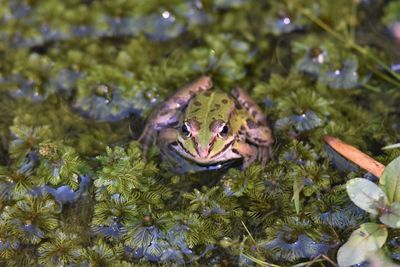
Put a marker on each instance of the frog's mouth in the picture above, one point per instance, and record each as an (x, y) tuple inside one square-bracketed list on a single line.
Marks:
[(179, 164), (226, 154)]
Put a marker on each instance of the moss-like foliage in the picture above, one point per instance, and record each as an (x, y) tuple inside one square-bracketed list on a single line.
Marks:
[(78, 79)]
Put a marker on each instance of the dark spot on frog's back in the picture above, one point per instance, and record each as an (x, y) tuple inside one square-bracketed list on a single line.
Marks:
[(207, 94), (197, 103), (215, 107), (224, 101), (251, 124), (238, 106)]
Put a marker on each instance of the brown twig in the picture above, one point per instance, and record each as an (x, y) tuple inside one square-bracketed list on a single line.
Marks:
[(353, 154)]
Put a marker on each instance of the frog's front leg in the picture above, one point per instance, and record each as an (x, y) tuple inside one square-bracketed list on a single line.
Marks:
[(166, 137), (247, 151), (167, 114), (251, 153)]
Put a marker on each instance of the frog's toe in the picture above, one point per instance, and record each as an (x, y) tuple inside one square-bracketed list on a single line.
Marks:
[(264, 154), (146, 141)]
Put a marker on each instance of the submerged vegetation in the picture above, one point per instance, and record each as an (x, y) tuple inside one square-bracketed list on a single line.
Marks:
[(79, 77)]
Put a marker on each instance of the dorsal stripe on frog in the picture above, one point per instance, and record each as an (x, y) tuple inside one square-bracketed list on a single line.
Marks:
[(217, 106)]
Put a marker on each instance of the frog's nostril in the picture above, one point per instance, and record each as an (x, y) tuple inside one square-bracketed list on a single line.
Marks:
[(203, 152)]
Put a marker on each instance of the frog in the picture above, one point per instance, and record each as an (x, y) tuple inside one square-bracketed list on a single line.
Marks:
[(209, 127)]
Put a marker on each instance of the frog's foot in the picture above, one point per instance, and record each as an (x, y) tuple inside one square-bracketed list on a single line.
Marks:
[(146, 139), (252, 153), (264, 154)]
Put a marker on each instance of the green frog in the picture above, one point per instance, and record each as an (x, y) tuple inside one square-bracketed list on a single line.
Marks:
[(208, 128)]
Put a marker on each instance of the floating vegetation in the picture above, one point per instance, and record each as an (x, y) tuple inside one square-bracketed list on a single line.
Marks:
[(312, 62), (344, 78), (294, 240), (52, 22), (327, 64), (306, 121), (281, 24), (79, 78)]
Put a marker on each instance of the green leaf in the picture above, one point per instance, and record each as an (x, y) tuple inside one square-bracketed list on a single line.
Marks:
[(391, 146), (369, 237), (391, 217), (366, 195), (298, 185), (390, 180)]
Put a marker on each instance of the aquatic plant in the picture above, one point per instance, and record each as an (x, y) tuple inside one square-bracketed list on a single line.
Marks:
[(78, 79), (382, 202)]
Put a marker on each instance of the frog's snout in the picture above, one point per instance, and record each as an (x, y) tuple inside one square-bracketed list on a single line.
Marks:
[(203, 152)]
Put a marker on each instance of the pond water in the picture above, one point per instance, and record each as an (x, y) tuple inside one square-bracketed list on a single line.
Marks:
[(78, 79)]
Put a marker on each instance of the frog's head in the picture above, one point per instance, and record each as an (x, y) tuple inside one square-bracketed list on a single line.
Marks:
[(205, 142), (206, 133)]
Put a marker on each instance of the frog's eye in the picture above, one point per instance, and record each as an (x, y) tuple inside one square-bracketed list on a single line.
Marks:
[(185, 131), (224, 131)]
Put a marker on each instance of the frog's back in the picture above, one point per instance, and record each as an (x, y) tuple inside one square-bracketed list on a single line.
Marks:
[(210, 106)]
